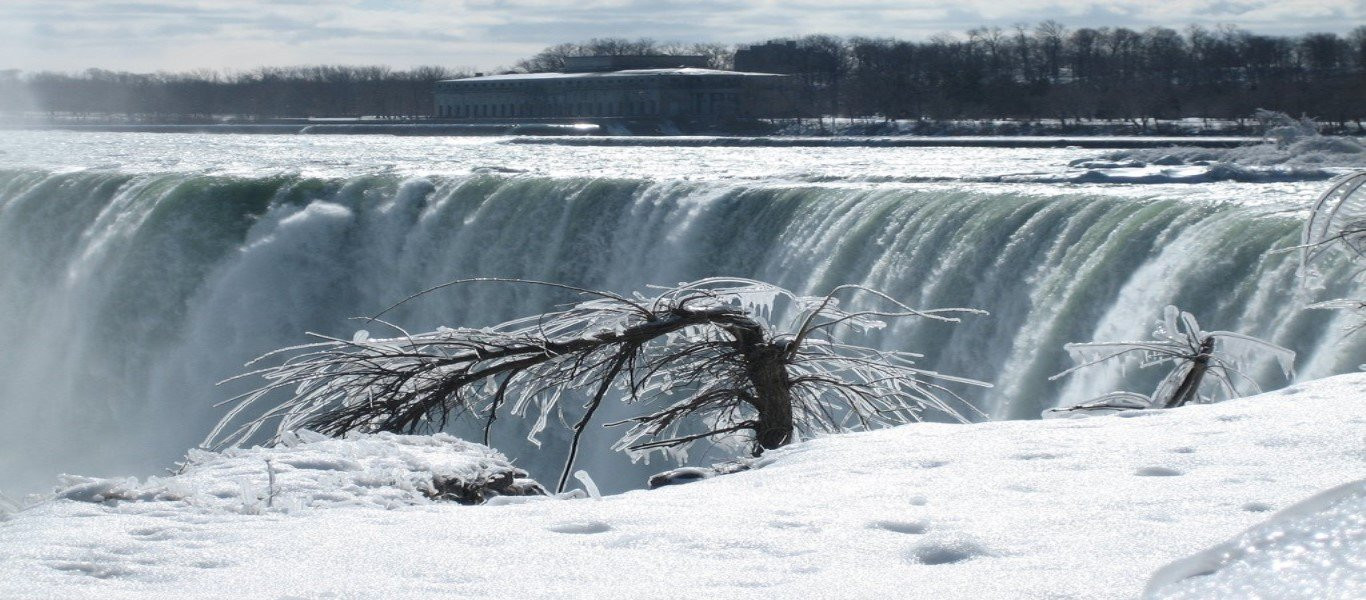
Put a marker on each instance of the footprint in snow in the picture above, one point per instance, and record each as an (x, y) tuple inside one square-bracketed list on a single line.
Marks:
[(1158, 472), (153, 534), (1133, 414), (96, 570), (210, 564), (580, 527), (907, 527), (945, 551), (1258, 507)]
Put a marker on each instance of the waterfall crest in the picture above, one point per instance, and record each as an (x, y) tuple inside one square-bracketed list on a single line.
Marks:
[(125, 297)]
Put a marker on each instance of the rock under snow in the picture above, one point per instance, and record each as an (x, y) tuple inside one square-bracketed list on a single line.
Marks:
[(310, 470)]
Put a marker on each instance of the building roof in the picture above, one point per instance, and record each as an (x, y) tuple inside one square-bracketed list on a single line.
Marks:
[(685, 71)]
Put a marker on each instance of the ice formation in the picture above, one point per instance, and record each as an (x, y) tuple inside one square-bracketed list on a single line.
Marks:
[(308, 470)]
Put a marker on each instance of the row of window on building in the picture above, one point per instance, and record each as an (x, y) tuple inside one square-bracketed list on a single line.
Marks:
[(596, 83), (579, 109)]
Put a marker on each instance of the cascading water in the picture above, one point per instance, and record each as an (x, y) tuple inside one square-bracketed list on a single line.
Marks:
[(123, 297)]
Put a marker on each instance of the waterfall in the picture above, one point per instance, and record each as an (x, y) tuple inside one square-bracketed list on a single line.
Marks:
[(124, 298)]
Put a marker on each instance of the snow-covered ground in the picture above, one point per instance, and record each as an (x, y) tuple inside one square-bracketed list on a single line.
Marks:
[(1068, 508), (1314, 549)]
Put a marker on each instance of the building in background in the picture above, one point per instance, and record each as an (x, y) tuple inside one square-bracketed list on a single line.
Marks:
[(679, 90)]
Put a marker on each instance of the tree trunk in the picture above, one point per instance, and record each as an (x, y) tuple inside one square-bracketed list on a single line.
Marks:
[(772, 396), (1189, 387), (765, 366)]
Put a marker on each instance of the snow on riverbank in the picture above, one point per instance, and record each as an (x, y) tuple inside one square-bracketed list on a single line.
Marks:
[(1069, 508)]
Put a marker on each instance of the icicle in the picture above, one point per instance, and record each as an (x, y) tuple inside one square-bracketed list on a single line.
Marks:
[(588, 485)]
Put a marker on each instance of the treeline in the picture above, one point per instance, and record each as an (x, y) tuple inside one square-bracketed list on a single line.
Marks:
[(719, 56), (1049, 71), (1044, 71), (268, 92)]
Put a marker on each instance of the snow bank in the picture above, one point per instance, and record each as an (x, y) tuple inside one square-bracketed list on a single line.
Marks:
[(1067, 508), (1314, 550), (310, 470)]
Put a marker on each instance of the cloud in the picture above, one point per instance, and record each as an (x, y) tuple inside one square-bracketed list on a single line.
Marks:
[(184, 34)]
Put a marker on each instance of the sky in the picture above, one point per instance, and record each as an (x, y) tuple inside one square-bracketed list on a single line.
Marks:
[(182, 35)]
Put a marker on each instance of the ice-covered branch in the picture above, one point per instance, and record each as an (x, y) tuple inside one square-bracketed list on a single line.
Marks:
[(1195, 358), (702, 358)]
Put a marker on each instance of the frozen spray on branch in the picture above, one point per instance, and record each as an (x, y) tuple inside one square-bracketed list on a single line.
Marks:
[(701, 359), (1197, 359)]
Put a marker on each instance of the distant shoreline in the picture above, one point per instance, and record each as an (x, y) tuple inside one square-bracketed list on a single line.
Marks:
[(1100, 142), (592, 135)]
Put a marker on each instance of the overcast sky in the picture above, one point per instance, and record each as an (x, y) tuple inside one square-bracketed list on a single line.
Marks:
[(191, 34)]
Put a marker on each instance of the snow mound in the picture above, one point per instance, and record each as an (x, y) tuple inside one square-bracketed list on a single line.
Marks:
[(309, 470), (1315, 550)]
